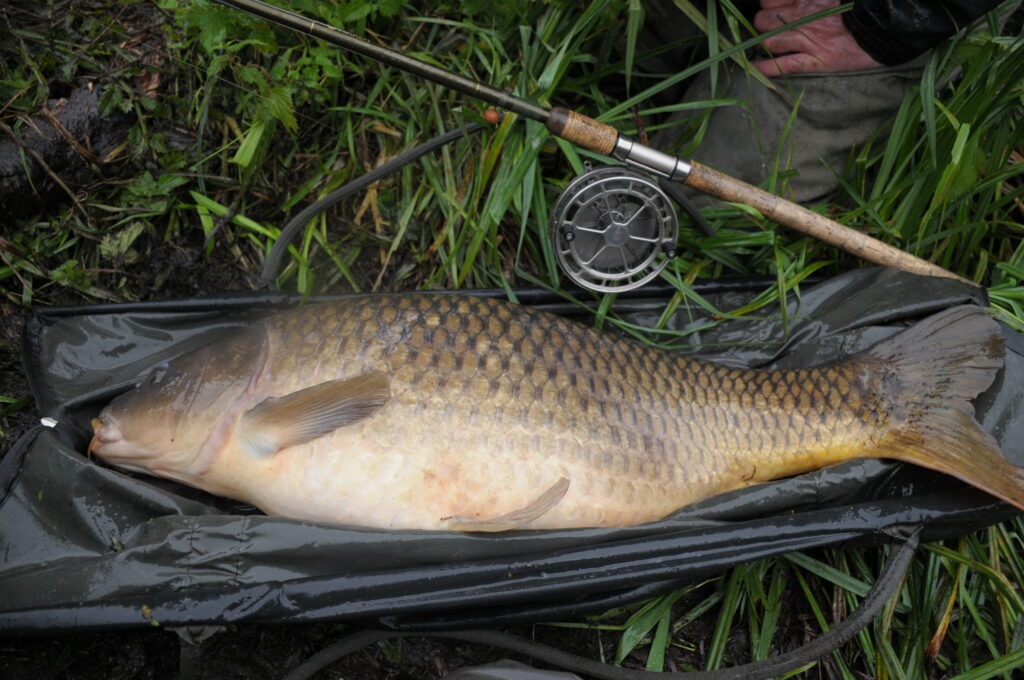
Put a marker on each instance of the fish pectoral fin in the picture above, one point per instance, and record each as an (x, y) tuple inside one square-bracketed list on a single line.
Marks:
[(279, 422), (516, 518)]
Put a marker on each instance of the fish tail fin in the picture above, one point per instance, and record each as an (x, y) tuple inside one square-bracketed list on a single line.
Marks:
[(935, 368)]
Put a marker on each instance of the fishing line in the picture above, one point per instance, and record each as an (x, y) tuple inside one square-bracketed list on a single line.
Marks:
[(611, 229), (316, 123), (274, 260), (313, 122)]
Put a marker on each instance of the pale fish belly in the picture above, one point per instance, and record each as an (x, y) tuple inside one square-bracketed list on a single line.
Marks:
[(405, 469)]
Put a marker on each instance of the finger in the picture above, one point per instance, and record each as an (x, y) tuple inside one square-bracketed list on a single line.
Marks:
[(775, 4), (790, 41), (768, 21), (790, 63)]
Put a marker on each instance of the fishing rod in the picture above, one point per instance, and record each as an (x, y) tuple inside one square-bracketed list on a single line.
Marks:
[(614, 229)]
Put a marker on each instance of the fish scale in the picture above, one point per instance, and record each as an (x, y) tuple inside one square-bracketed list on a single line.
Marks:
[(455, 412), (615, 395)]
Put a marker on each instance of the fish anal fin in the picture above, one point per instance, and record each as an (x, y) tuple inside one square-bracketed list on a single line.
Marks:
[(514, 519), (279, 422)]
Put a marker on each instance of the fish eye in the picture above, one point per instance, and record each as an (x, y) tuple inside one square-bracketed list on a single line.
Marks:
[(156, 373)]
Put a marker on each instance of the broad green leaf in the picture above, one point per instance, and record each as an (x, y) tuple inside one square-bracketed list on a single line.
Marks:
[(250, 143)]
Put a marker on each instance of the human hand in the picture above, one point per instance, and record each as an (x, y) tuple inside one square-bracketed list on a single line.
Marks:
[(820, 46)]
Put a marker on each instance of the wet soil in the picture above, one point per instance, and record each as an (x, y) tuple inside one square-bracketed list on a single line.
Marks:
[(264, 652), (30, 161), (236, 653)]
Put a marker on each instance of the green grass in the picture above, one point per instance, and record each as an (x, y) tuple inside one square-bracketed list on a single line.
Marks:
[(273, 121)]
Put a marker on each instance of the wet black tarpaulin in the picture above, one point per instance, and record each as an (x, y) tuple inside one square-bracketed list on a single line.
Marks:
[(84, 546)]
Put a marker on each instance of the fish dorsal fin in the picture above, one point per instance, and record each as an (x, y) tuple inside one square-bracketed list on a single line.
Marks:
[(514, 519), (279, 422)]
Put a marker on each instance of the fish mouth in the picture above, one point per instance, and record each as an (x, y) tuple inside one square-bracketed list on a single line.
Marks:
[(94, 443), (103, 433)]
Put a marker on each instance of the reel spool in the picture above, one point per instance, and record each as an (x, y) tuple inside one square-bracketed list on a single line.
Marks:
[(613, 229)]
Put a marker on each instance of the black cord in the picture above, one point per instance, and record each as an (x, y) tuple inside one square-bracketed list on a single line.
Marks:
[(272, 267), (887, 584)]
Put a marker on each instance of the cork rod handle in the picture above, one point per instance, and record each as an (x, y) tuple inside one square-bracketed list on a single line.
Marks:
[(582, 130), (709, 181)]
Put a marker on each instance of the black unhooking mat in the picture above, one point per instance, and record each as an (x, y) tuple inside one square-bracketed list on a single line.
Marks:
[(83, 546)]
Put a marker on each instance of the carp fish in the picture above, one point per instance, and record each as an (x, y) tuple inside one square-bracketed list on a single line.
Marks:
[(451, 412)]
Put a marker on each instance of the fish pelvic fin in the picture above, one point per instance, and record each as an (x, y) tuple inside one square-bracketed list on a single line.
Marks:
[(934, 369), (514, 519), (279, 422)]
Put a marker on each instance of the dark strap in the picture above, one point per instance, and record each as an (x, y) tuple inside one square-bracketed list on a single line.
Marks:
[(886, 585), (272, 266)]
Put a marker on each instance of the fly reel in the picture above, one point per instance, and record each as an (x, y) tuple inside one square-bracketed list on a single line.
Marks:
[(613, 229)]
